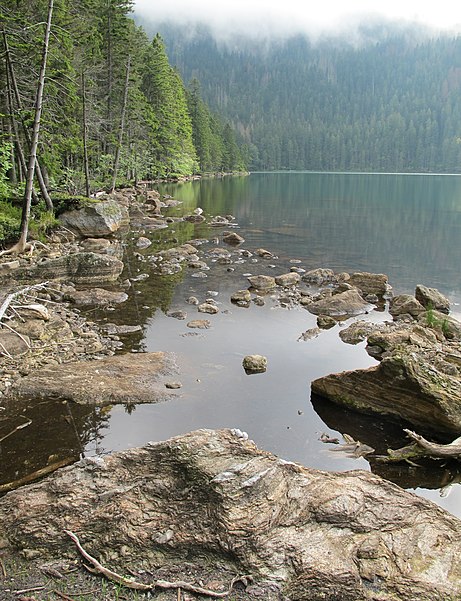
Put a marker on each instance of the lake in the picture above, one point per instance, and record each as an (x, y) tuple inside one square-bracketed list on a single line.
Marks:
[(406, 226)]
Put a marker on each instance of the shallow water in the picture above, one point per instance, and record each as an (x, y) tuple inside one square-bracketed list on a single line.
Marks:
[(408, 227)]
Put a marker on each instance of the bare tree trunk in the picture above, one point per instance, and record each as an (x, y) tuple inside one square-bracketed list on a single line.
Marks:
[(13, 124), (35, 135), (85, 141), (40, 178), (122, 125)]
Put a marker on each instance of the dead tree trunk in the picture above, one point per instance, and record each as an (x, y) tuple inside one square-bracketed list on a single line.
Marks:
[(85, 140), (122, 125), (21, 244), (10, 72)]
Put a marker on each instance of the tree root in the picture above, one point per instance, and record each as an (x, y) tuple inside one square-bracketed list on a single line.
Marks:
[(139, 586)]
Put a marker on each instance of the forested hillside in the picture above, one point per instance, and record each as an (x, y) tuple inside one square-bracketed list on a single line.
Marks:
[(113, 109), (389, 105)]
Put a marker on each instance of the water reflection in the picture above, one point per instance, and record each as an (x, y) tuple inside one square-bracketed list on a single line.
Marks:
[(38, 437), (407, 227)]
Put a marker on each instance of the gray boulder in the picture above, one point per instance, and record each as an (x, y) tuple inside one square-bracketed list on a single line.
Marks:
[(80, 268), (412, 383), (96, 220), (254, 364), (212, 497), (262, 282), (431, 298), (344, 304), (95, 297), (288, 279), (370, 283), (405, 304)]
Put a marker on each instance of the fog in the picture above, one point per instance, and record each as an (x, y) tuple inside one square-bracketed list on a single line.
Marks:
[(262, 18)]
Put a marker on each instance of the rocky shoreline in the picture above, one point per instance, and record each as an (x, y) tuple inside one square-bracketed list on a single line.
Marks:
[(51, 350)]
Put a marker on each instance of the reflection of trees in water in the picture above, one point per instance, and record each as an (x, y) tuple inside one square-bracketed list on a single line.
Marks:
[(382, 435), (406, 226), (57, 435)]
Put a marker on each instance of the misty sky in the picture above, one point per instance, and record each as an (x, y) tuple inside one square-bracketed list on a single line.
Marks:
[(293, 16)]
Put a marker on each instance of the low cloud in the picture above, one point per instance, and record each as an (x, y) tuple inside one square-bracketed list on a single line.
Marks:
[(262, 18)]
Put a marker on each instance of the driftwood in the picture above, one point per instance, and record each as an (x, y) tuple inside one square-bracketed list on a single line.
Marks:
[(140, 586), (44, 471), (424, 448), (13, 295)]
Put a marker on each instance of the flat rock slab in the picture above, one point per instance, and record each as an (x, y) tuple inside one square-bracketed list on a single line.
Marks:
[(213, 496), (130, 378), (80, 268)]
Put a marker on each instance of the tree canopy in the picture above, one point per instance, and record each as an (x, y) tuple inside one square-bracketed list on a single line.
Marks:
[(113, 106)]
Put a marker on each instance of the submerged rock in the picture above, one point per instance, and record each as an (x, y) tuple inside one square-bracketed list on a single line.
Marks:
[(233, 238), (200, 324), (130, 378), (213, 496)]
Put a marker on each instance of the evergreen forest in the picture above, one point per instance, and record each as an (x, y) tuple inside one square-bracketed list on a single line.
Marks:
[(113, 109), (390, 104)]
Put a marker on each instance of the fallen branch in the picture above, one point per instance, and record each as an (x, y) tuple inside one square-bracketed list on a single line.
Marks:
[(453, 449), (62, 595), (10, 297), (139, 586), (20, 427), (44, 471), (424, 448)]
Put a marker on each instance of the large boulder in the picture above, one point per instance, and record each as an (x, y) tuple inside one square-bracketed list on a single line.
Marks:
[(370, 283), (123, 379), (214, 497), (405, 304), (96, 220), (431, 298), (344, 304), (419, 385)]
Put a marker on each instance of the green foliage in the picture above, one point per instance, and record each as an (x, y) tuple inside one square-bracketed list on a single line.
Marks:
[(10, 221), (84, 95), (42, 221), (6, 149), (391, 104)]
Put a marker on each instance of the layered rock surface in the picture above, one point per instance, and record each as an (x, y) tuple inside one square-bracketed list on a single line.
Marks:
[(213, 496)]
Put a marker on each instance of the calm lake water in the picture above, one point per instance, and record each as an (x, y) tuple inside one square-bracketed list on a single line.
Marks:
[(407, 226)]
